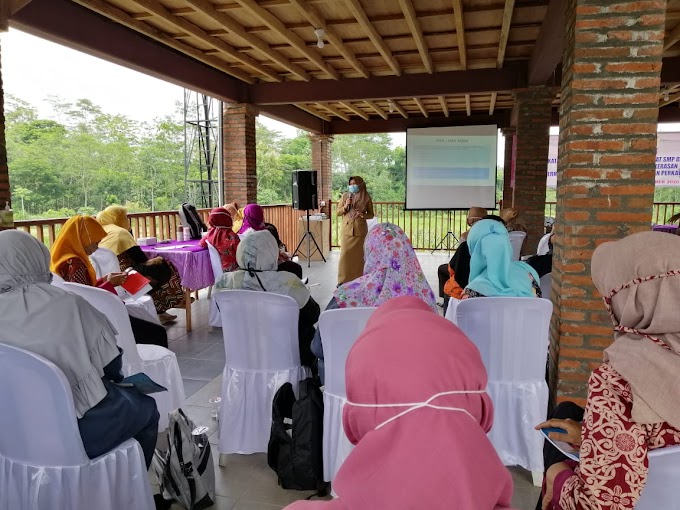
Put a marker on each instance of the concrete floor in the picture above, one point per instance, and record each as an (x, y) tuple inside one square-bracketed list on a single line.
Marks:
[(247, 483)]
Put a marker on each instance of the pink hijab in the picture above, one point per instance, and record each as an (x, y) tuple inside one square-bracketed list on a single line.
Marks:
[(428, 458), (253, 217)]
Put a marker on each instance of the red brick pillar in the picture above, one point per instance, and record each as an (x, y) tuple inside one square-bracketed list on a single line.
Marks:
[(322, 162), (531, 156), (239, 153), (509, 135), (5, 196), (606, 165)]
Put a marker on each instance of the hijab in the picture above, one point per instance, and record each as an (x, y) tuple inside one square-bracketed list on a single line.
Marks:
[(51, 322), (77, 233), (391, 269), (639, 277), (360, 200), (253, 218), (257, 256), (430, 459), (236, 215), (117, 226), (510, 216), (222, 237), (492, 270)]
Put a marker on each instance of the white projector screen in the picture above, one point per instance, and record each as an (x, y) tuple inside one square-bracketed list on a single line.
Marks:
[(451, 167)]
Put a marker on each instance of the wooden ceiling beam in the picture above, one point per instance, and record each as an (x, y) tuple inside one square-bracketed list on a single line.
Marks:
[(296, 42), (492, 102), (420, 105), (445, 106), (399, 108), (671, 99), (334, 111), (672, 38), (295, 117), (468, 105), (119, 16), (358, 12), (312, 111), (414, 25), (7, 9), (397, 124), (460, 31), (239, 30), (156, 8), (355, 109), (376, 107), (317, 21), (549, 44), (505, 30)]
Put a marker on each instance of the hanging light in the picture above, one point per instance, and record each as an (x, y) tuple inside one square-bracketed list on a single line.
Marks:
[(319, 33)]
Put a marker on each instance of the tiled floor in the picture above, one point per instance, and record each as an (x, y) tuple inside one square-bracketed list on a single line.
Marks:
[(247, 483)]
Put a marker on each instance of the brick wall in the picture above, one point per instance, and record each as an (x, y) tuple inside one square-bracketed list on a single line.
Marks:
[(531, 155), (4, 171), (606, 165), (509, 134), (239, 153), (322, 162)]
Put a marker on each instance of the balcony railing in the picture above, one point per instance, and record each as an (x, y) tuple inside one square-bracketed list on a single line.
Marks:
[(426, 229)]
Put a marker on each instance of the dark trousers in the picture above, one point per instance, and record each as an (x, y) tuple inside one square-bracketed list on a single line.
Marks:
[(146, 332), (291, 267), (443, 276)]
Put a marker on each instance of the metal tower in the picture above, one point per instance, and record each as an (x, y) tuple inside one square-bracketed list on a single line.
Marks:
[(203, 178)]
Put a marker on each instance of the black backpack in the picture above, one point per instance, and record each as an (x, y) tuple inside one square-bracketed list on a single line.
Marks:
[(191, 219), (295, 449)]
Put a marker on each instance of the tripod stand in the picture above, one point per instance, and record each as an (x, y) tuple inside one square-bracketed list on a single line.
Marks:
[(309, 236), (447, 237)]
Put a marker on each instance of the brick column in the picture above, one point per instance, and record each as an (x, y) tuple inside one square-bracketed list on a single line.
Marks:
[(5, 196), (531, 155), (322, 162), (509, 135), (239, 153), (606, 165)]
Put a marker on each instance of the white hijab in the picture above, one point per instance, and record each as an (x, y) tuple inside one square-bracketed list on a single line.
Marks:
[(257, 256), (51, 322)]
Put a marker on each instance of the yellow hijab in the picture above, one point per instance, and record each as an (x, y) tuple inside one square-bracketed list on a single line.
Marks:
[(116, 224), (236, 215), (77, 233)]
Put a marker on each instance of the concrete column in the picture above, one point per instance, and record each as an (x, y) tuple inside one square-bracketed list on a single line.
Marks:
[(509, 135), (239, 153), (322, 162)]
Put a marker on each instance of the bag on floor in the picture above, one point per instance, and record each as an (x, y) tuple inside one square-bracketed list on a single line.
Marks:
[(191, 219), (295, 449), (189, 472)]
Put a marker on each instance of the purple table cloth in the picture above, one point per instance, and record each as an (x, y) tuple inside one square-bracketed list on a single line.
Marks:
[(665, 228), (192, 262)]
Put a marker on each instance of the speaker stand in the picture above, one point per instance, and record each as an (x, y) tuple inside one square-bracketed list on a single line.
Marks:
[(309, 237)]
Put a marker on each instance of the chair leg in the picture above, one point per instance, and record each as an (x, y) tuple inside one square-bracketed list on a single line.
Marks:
[(223, 460), (537, 478)]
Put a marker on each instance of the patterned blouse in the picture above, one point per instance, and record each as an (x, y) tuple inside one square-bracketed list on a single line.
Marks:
[(74, 270), (613, 456)]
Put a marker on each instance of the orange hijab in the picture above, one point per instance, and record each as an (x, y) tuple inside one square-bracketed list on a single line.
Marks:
[(75, 235)]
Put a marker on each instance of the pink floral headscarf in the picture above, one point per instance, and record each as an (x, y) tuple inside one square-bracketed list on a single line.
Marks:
[(391, 269)]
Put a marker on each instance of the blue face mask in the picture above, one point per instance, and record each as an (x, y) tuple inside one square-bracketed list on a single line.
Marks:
[(354, 188)]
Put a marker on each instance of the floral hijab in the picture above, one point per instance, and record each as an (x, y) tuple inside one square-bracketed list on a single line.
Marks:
[(391, 269)]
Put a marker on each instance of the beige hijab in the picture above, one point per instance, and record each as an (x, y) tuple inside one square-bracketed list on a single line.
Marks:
[(648, 307), (360, 200)]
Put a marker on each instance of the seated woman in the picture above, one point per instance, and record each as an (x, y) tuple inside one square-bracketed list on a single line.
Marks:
[(77, 240), (391, 269), (69, 332), (493, 273), (542, 263), (632, 405), (285, 259), (418, 413), (222, 237), (257, 257), (253, 219), (236, 216), (167, 287)]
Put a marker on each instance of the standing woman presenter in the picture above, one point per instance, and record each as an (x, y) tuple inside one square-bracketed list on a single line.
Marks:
[(355, 207)]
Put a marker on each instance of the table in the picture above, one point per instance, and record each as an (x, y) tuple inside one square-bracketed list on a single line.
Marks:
[(192, 263), (665, 228)]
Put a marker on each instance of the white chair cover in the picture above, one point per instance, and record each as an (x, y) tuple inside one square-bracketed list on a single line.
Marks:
[(104, 262), (43, 464), (660, 491), (543, 247), (142, 308), (214, 321), (372, 222), (451, 309), (546, 285), (159, 363), (261, 345), (339, 330), (512, 337), (517, 240), (56, 279)]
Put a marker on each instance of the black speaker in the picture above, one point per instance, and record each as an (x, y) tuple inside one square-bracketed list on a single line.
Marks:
[(304, 190)]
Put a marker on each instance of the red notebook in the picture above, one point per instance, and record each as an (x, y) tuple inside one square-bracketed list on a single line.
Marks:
[(136, 285)]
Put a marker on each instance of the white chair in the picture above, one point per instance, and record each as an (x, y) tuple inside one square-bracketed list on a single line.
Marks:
[(451, 309), (262, 354), (159, 363), (512, 337), (546, 285), (660, 491), (56, 279), (517, 240), (215, 321), (104, 262), (339, 330), (543, 245), (43, 464), (372, 222)]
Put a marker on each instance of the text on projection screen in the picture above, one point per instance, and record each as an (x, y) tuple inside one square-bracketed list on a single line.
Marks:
[(451, 167)]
